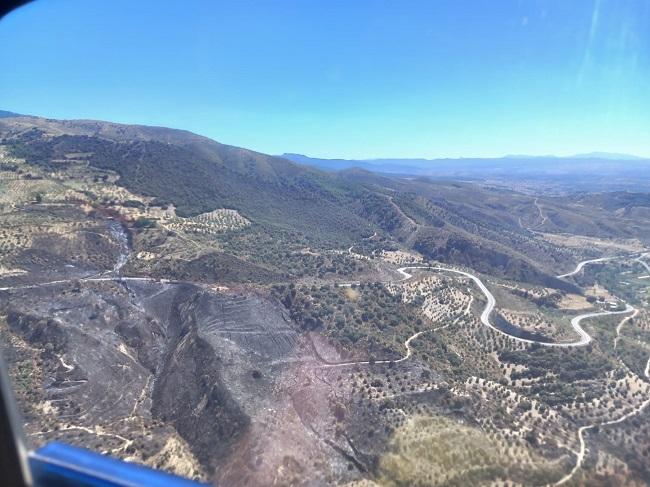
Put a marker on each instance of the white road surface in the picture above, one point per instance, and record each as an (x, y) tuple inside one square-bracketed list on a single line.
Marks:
[(640, 260), (584, 263), (585, 338)]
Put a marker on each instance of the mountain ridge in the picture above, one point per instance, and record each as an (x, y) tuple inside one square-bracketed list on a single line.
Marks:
[(195, 174)]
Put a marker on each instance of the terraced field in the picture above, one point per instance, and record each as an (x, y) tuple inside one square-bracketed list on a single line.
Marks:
[(208, 223)]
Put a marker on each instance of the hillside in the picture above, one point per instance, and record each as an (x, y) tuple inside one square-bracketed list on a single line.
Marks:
[(478, 227), (193, 173), (225, 314)]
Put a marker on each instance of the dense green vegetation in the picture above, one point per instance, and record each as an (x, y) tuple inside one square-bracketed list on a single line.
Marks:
[(618, 277), (288, 252), (262, 188), (209, 267), (546, 301), (573, 368), (364, 318), (378, 209)]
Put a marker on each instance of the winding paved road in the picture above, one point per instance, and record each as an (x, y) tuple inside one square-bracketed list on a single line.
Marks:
[(584, 263), (585, 338)]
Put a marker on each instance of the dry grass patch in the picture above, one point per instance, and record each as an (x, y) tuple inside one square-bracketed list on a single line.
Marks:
[(573, 302), (400, 257), (434, 450), (351, 294)]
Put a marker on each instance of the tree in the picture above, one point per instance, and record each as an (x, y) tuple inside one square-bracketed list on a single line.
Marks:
[(143, 222)]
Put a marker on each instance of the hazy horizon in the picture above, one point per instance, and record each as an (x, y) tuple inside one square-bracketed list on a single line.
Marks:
[(355, 81), (593, 155)]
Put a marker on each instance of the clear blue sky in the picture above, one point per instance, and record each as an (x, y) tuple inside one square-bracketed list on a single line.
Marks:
[(353, 78)]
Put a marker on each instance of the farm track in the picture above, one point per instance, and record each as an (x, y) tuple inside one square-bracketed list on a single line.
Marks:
[(580, 454), (542, 216), (640, 260), (585, 338)]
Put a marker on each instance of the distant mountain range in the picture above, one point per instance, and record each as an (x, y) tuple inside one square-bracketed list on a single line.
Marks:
[(590, 155), (596, 171), (470, 166), (607, 155)]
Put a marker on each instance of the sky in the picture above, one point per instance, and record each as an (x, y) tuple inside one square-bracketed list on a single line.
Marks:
[(344, 79)]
